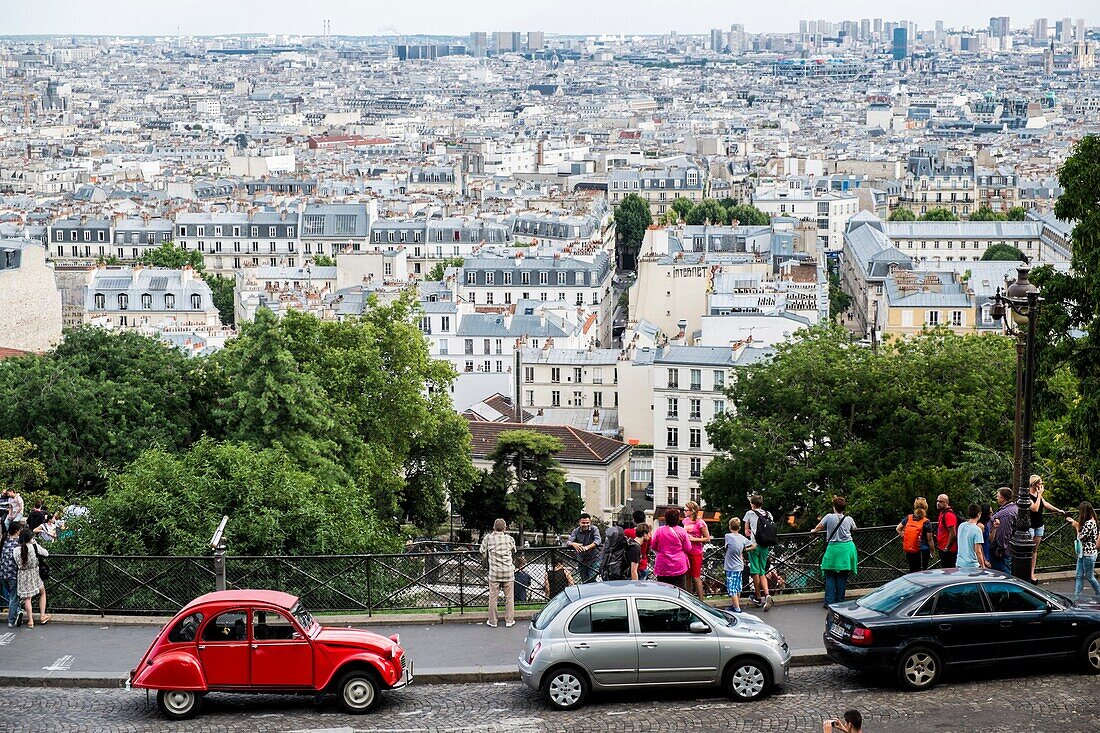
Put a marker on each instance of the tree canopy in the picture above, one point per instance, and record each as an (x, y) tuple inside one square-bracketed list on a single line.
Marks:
[(632, 218), (825, 416), (902, 214), (523, 460), (747, 215), (938, 214), (707, 211), (1003, 252), (984, 213), (439, 269)]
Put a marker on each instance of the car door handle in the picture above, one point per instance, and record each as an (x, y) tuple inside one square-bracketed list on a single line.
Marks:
[(945, 627), (582, 645), (201, 647), (1005, 624), (254, 646), (649, 644)]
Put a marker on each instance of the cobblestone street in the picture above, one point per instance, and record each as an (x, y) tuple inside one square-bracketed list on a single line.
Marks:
[(1055, 700)]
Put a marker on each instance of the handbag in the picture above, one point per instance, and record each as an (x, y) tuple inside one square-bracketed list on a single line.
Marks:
[(1078, 549), (43, 566)]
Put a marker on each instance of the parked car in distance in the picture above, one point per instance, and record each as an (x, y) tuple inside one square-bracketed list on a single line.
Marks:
[(265, 641), (918, 625), (622, 634)]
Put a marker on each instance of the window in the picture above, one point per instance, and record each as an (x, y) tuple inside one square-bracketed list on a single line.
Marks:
[(663, 617), (445, 323), (186, 628), (577, 375), (957, 318), (1008, 598), (469, 346), (672, 495), (696, 467), (486, 345), (696, 379), (490, 277), (673, 378), (555, 398), (555, 374), (695, 437), (932, 318), (443, 346), (229, 626), (672, 464), (695, 494), (123, 301), (471, 278), (672, 437), (597, 399), (100, 301), (507, 278), (578, 398), (169, 301), (719, 379), (696, 410), (544, 278), (146, 301), (196, 302), (528, 374), (673, 408), (959, 599), (525, 279), (530, 397), (561, 278), (272, 626), (606, 617)]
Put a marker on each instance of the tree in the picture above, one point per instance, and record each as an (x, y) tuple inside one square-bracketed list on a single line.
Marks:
[(100, 398), (668, 219), (825, 416), (938, 214), (747, 215), (169, 503), (984, 213), (1002, 253), (270, 401), (839, 301), (902, 214), (221, 290), (173, 257), (706, 211), (682, 206), (320, 260), (632, 218), (485, 502), (524, 461), (439, 269), (1017, 213), (19, 469)]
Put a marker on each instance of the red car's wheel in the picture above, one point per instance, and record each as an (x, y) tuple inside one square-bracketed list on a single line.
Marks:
[(360, 692), (179, 704)]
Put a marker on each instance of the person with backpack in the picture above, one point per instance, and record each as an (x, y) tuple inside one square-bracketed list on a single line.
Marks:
[(916, 536), (759, 527), (635, 546), (613, 562), (699, 537), (840, 558), (947, 529)]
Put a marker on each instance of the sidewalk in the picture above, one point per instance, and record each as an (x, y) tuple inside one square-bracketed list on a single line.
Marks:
[(99, 652)]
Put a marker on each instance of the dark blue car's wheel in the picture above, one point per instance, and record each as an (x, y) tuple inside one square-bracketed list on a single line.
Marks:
[(919, 668), (1090, 654)]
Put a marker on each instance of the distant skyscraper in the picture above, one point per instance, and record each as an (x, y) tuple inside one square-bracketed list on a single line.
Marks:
[(536, 41), (1039, 30), (803, 27), (1080, 29), (479, 43), (901, 43), (998, 27), (1067, 31), (865, 29), (717, 40), (877, 26)]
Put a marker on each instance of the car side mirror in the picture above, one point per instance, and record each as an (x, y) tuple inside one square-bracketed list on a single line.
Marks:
[(534, 618), (698, 627)]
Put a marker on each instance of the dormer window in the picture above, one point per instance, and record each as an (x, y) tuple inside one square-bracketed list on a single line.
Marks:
[(100, 301), (169, 301), (146, 301), (123, 301), (196, 302)]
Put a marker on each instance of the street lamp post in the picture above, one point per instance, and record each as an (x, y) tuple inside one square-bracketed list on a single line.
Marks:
[(1021, 302)]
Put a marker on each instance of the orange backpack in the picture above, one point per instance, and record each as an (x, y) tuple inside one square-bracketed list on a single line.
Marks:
[(912, 533)]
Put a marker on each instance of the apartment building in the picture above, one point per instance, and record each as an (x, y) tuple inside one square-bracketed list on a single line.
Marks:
[(934, 182), (572, 386), (132, 237), (830, 210), (132, 298), (232, 240), (79, 241), (430, 241), (329, 229), (29, 298), (659, 186)]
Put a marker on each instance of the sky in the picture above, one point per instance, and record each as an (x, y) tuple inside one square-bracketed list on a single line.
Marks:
[(459, 17)]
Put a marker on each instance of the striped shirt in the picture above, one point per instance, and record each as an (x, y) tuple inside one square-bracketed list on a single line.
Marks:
[(499, 548)]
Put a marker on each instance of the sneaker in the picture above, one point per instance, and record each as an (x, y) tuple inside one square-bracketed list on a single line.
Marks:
[(737, 610), (490, 624), (11, 624), (756, 601), (767, 602), (509, 624)]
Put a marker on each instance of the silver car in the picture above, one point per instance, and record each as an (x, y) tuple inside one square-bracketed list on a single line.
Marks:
[(630, 634)]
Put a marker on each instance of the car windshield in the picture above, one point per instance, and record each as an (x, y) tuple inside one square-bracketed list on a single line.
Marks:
[(710, 614), (890, 596), (547, 614), (304, 617)]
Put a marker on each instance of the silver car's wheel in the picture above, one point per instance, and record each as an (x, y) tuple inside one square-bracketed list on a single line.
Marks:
[(178, 704), (1090, 654), (359, 692), (919, 669), (747, 680), (565, 688)]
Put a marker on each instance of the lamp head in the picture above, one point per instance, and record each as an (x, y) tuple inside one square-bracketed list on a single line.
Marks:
[(1018, 293)]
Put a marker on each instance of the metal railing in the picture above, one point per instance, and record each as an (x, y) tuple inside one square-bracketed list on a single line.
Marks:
[(440, 580)]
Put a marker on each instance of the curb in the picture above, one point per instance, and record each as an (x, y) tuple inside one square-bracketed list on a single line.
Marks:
[(445, 676)]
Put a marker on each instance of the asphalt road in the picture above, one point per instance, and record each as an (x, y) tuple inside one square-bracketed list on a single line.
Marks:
[(1043, 701)]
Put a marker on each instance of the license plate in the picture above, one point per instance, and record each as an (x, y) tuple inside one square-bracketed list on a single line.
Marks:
[(836, 630)]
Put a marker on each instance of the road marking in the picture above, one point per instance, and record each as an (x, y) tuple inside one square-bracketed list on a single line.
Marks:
[(64, 664), (7, 638)]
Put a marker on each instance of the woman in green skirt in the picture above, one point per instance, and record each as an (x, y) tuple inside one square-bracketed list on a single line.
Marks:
[(840, 551)]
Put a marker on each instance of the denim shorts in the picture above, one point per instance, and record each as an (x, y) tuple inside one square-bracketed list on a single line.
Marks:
[(1037, 531)]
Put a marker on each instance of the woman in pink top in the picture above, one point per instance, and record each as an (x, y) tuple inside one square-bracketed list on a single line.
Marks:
[(698, 535), (671, 545)]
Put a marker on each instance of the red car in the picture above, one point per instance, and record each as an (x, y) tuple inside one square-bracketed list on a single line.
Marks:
[(265, 641)]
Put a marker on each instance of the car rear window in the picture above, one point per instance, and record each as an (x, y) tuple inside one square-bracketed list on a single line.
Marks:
[(550, 610), (186, 628), (890, 596)]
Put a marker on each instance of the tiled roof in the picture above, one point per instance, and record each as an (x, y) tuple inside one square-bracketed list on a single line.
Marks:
[(581, 446)]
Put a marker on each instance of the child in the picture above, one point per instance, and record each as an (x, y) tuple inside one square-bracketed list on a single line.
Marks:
[(736, 546)]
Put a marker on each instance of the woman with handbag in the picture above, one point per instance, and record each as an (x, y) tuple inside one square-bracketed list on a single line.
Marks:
[(840, 556), (31, 574), (1085, 545)]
